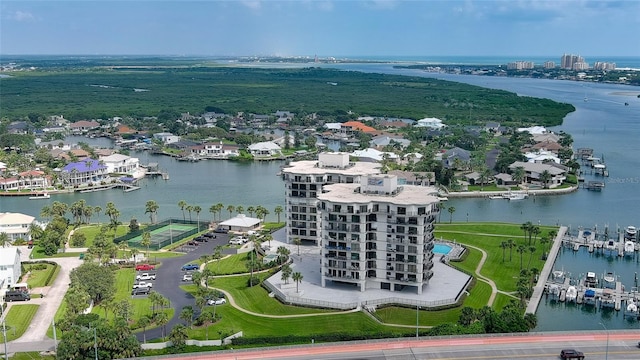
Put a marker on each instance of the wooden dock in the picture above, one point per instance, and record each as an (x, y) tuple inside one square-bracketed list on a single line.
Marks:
[(538, 290)]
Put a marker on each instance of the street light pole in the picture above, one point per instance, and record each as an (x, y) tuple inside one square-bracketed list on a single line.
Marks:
[(606, 354), (417, 320), (4, 333), (95, 343)]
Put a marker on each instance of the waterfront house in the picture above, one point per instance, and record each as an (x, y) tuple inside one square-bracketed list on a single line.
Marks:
[(542, 156), (16, 225), (373, 155), (384, 140), (166, 137), (505, 180), (32, 180), (215, 150), (121, 164), (18, 127), (10, 270), (550, 146), (83, 173), (547, 137), (492, 126), (83, 126), (456, 158), (265, 149), (350, 128), (533, 171), (534, 130)]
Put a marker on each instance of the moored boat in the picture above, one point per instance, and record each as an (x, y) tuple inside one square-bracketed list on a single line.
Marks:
[(591, 280), (609, 280), (590, 297), (40, 196), (572, 294), (630, 233), (629, 248)]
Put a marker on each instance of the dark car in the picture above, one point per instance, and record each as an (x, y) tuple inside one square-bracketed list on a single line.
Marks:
[(221, 231), (571, 354), (201, 239), (193, 243), (140, 291), (210, 235), (190, 267), (16, 296)]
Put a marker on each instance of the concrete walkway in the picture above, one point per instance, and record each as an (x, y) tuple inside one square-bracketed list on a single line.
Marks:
[(538, 290)]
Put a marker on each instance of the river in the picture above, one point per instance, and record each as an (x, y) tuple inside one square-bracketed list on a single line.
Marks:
[(602, 122)]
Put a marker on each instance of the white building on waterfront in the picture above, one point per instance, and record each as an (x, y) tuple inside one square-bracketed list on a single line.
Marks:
[(376, 234), (16, 225), (10, 270), (121, 164), (303, 183)]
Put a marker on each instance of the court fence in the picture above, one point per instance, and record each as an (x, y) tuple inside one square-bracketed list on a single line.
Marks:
[(158, 241)]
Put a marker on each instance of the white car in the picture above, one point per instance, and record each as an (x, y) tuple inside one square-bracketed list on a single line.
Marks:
[(217, 301), (146, 277), (237, 241), (142, 284), (187, 277)]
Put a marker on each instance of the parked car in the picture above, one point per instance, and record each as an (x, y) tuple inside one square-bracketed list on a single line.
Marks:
[(142, 284), (193, 243), (145, 267), (16, 296), (141, 291), (201, 239), (146, 276), (190, 267), (217, 301), (210, 235), (221, 230), (187, 277), (571, 354), (239, 240)]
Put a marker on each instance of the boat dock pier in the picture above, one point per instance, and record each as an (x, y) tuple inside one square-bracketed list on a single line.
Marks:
[(540, 287), (593, 185), (153, 170)]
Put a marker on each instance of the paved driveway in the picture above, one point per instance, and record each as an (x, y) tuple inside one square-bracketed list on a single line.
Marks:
[(35, 337), (169, 279)]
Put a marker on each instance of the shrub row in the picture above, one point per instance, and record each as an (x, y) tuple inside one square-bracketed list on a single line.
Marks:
[(40, 265)]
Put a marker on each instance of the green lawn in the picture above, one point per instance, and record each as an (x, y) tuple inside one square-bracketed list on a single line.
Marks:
[(38, 253), (489, 187), (33, 355), (18, 320), (90, 232), (233, 264), (37, 278)]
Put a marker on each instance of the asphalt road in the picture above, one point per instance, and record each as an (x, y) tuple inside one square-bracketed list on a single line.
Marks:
[(538, 346), (169, 279)]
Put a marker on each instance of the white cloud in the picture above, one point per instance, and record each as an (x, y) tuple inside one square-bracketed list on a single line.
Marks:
[(22, 16), (252, 4)]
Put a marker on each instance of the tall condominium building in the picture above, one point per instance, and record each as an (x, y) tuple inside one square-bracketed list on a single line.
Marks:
[(599, 65), (376, 234), (568, 61), (549, 65), (304, 181), (520, 65)]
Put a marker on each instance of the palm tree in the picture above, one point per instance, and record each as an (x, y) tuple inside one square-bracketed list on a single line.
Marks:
[(181, 205), (503, 246), (219, 207), (197, 209), (134, 254), (162, 319), (230, 209), (146, 241), (532, 250), (451, 210), (545, 177), (521, 249), (189, 209), (240, 209), (286, 273), (518, 174), (251, 210), (297, 277), (143, 322), (207, 319), (525, 228), (278, 210), (45, 212), (97, 210), (283, 254), (187, 315), (297, 242), (536, 231), (4, 239), (440, 206), (217, 255), (213, 210)]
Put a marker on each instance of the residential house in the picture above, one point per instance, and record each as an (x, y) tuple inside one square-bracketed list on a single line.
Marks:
[(16, 225), (10, 269), (55, 144), (121, 164), (384, 140), (350, 128), (32, 179), (216, 150), (419, 178), (431, 123), (550, 146), (492, 126), (456, 158), (83, 126), (265, 149), (18, 127), (166, 137), (475, 178), (533, 171), (547, 137), (542, 156), (85, 172), (533, 130), (505, 180), (373, 155), (283, 116)]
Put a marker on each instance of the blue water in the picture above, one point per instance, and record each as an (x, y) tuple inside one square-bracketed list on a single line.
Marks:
[(441, 249)]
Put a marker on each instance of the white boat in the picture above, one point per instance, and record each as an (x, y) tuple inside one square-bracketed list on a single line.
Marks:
[(40, 196), (554, 291), (632, 308), (590, 297), (515, 196), (611, 245), (609, 280), (630, 233), (572, 294), (607, 299), (629, 248)]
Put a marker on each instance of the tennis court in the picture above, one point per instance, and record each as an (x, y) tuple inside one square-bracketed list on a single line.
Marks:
[(165, 234)]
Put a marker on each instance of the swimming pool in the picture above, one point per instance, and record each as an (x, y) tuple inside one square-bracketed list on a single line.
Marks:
[(441, 249)]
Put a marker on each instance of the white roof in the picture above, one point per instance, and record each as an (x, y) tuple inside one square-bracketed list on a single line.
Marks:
[(533, 130), (3, 165), (266, 145), (15, 218), (8, 255), (333, 126), (373, 154), (115, 158), (241, 220), (433, 123), (542, 156)]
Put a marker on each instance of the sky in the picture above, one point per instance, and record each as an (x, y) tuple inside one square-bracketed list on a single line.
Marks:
[(339, 28)]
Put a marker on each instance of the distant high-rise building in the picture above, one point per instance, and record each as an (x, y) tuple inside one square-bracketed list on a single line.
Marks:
[(520, 65), (549, 65), (600, 65), (580, 65), (568, 61)]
